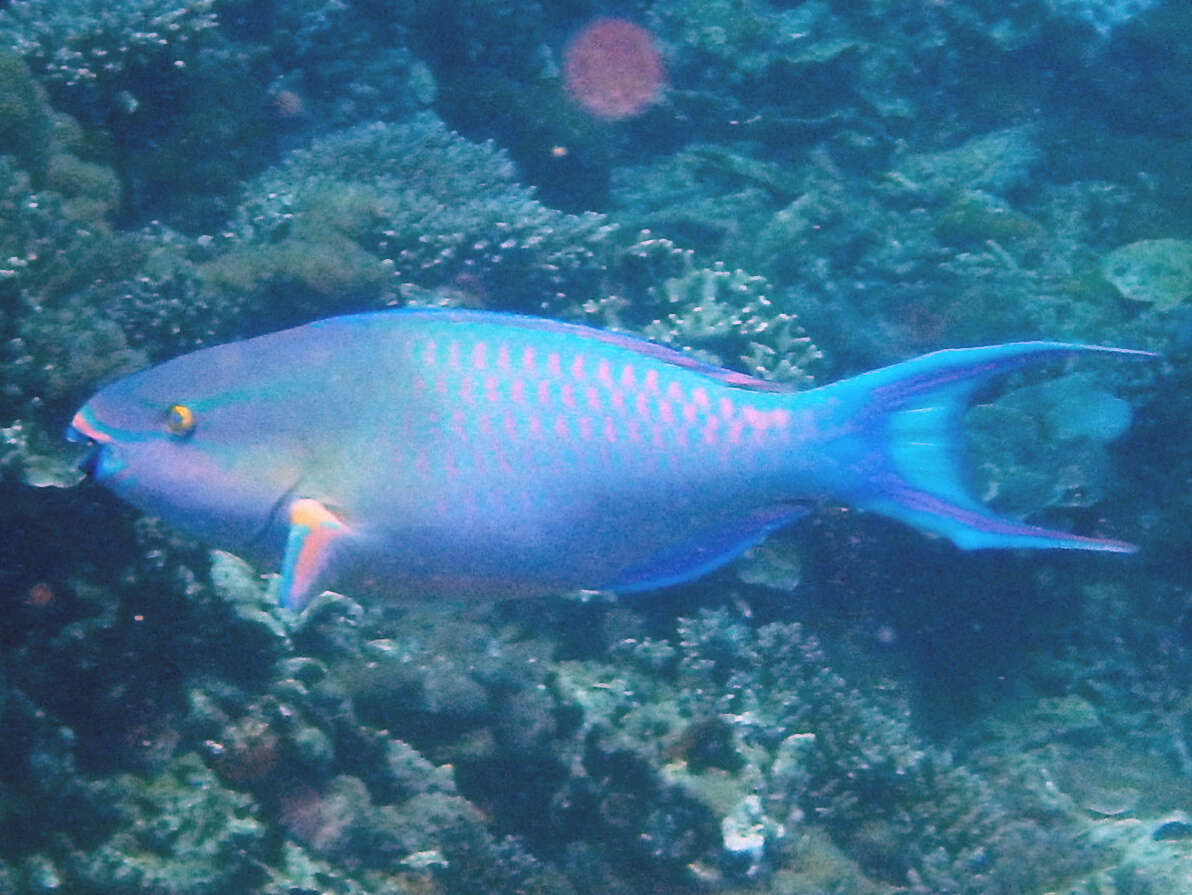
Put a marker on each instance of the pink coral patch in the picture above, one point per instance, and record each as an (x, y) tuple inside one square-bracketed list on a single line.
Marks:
[(612, 68)]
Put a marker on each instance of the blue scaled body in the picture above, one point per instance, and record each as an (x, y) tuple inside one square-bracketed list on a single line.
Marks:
[(462, 454)]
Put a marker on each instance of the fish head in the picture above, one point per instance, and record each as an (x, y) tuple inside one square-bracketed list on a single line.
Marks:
[(209, 442)]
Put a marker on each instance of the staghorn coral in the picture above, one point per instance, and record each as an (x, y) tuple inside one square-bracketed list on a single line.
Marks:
[(104, 49), (413, 201)]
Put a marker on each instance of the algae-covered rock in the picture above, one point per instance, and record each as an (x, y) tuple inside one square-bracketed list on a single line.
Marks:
[(180, 832), (1155, 271), (996, 162)]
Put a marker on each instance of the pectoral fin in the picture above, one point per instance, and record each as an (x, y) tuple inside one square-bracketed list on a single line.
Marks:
[(315, 544)]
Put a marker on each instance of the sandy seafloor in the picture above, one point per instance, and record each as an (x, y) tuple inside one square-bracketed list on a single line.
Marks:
[(800, 190)]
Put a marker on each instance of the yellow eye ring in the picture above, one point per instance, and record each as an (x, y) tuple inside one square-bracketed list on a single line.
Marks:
[(180, 420)]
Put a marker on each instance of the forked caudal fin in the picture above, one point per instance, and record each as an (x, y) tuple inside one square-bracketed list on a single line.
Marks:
[(911, 416)]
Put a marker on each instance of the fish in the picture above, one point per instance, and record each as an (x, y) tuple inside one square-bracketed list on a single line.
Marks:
[(462, 455)]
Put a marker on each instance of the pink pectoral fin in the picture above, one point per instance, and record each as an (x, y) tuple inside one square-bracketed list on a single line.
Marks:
[(314, 546)]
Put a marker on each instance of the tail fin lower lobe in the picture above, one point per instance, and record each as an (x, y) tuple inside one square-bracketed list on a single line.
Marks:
[(911, 417)]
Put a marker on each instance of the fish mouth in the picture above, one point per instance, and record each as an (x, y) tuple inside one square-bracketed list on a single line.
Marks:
[(99, 461)]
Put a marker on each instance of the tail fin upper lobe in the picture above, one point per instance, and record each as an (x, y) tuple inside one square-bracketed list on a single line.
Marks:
[(911, 416)]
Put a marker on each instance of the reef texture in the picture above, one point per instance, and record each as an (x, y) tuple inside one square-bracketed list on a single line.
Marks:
[(816, 189)]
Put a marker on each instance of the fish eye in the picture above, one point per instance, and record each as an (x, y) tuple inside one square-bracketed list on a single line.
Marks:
[(180, 420)]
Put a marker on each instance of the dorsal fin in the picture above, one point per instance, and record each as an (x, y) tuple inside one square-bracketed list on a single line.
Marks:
[(636, 344)]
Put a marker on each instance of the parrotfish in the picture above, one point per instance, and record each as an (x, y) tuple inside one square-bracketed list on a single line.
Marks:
[(476, 455)]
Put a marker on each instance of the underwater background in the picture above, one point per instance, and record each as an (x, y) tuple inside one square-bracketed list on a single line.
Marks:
[(800, 190)]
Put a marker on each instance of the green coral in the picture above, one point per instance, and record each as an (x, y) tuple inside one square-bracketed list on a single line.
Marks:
[(25, 117), (414, 201)]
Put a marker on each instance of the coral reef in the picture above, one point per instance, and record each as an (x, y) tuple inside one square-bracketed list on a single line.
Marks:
[(819, 188)]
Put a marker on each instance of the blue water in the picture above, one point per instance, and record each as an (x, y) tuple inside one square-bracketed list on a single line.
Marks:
[(797, 190)]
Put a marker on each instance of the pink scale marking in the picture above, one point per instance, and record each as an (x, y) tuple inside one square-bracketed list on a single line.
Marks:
[(651, 383), (617, 399), (517, 391), (561, 427), (711, 424), (688, 412), (553, 364), (592, 397), (465, 390), (567, 395), (610, 429), (700, 397), (627, 377), (490, 389), (478, 356), (543, 392), (604, 374), (666, 412), (577, 368), (457, 423), (726, 408), (528, 359), (585, 428), (430, 353), (503, 358), (733, 433), (641, 405), (674, 392), (453, 355)]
